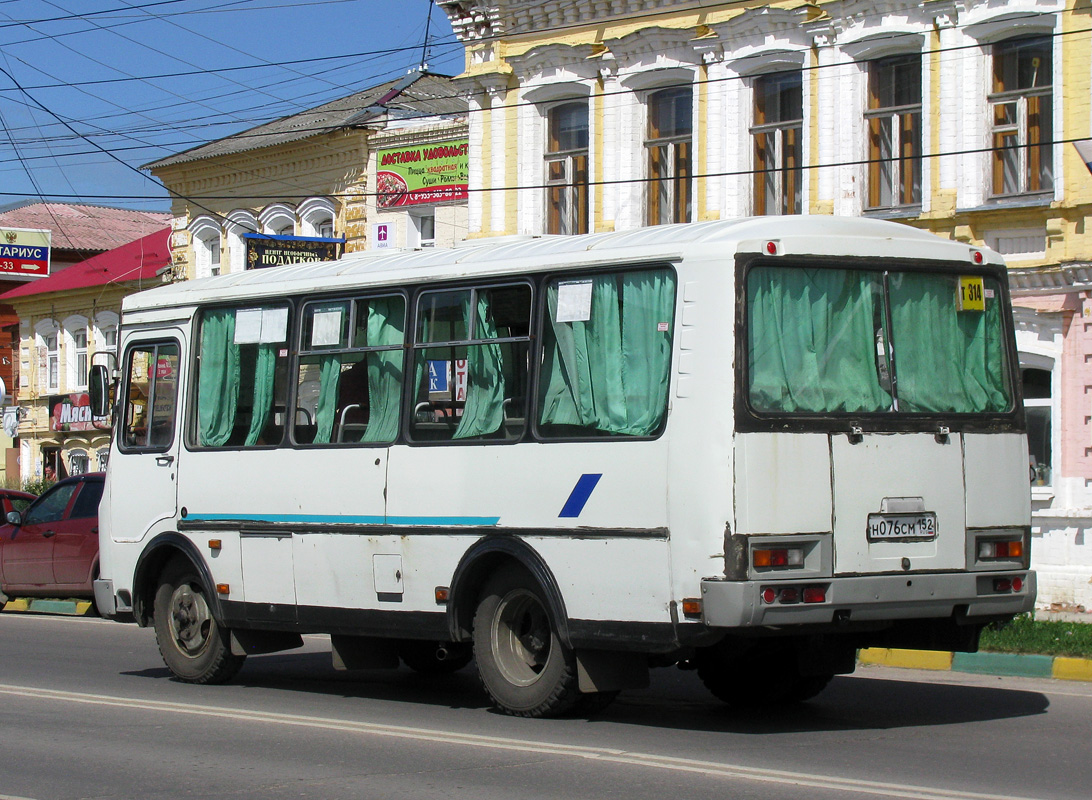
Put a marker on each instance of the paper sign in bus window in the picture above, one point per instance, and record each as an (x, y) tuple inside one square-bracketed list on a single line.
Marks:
[(326, 328), (574, 301), (248, 325), (261, 325), (274, 325)]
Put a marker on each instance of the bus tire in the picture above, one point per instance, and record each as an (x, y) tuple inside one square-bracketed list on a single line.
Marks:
[(194, 646), (525, 668), (434, 658)]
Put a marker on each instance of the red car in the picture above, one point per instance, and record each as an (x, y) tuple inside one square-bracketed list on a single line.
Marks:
[(52, 548)]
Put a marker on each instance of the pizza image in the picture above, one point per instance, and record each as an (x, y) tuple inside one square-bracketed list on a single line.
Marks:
[(390, 189)]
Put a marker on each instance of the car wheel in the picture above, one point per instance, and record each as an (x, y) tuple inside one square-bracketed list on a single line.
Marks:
[(193, 645), (525, 668)]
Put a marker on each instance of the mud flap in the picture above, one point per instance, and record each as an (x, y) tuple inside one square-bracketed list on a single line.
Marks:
[(606, 671)]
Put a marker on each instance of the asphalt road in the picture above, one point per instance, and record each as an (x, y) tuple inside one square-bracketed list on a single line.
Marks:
[(87, 710)]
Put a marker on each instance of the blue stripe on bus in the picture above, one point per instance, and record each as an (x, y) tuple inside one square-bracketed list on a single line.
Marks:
[(343, 519), (580, 494)]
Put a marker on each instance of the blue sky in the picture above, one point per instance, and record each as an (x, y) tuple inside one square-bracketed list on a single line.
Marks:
[(109, 81)]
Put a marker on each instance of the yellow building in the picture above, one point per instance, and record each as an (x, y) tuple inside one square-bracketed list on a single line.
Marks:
[(956, 117), (300, 188), (66, 322)]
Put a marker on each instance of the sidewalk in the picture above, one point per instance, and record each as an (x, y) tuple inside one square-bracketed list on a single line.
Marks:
[(1024, 666)]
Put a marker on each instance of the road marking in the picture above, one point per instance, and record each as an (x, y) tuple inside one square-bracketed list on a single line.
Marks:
[(604, 754)]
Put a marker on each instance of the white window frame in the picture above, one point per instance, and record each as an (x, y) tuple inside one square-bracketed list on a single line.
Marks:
[(206, 247), (417, 222), (106, 334), (80, 457), (75, 377), (47, 357), (1020, 127)]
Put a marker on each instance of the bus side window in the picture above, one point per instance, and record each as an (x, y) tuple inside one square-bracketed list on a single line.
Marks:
[(606, 354), (152, 383), (349, 386), (242, 374), (470, 364)]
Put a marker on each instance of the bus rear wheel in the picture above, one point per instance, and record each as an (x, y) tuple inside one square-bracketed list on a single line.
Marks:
[(194, 647), (526, 669)]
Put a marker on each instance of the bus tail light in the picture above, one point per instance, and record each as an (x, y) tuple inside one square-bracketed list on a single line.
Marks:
[(778, 557), (1006, 585), (790, 595), (1001, 548)]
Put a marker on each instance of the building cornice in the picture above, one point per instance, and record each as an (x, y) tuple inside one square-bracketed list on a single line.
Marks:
[(1074, 276)]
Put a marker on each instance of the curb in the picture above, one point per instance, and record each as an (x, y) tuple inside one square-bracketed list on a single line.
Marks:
[(1008, 664), (76, 608)]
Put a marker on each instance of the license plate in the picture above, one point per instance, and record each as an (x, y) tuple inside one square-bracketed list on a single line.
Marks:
[(884, 527)]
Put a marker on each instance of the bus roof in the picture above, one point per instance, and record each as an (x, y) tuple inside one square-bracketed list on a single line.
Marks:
[(795, 235)]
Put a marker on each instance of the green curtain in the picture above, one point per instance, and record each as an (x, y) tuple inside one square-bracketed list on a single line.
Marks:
[(812, 341), (483, 411), (386, 322), (326, 407), (647, 304), (264, 372), (610, 372), (582, 369), (218, 392), (946, 360)]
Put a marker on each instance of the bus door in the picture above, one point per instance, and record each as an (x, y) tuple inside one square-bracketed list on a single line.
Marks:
[(142, 475)]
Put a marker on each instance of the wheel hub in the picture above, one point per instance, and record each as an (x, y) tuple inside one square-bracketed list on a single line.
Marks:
[(190, 620)]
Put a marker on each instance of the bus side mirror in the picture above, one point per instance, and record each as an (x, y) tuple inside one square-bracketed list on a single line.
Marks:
[(98, 387)]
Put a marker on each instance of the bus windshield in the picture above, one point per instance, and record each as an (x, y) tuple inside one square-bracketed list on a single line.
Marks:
[(824, 340)]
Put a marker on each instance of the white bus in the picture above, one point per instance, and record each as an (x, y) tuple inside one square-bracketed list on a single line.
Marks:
[(748, 447)]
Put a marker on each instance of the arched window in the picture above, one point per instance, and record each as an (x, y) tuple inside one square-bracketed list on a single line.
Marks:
[(317, 217), (106, 335), (238, 222), (77, 462), (206, 247), (76, 360), (47, 342), (278, 220)]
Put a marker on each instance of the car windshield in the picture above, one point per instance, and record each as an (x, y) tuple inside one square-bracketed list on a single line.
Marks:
[(828, 341)]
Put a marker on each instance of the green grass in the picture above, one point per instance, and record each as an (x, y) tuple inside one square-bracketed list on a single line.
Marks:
[(1026, 635)]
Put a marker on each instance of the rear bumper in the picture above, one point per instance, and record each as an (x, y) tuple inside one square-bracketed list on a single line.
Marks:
[(869, 598)]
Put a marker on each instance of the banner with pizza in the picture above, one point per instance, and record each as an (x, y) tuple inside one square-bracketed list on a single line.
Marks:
[(430, 173)]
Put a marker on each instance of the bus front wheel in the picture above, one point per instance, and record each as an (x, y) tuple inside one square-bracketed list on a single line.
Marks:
[(525, 668), (194, 647)]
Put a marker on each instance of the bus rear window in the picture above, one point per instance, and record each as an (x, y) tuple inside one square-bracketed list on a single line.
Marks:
[(854, 341)]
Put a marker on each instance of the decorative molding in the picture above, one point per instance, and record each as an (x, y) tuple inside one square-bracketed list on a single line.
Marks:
[(1070, 277)]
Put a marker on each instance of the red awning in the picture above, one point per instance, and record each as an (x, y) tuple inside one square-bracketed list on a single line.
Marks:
[(137, 261)]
